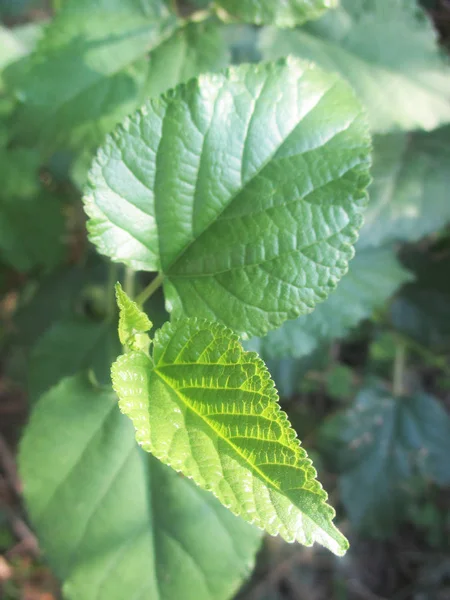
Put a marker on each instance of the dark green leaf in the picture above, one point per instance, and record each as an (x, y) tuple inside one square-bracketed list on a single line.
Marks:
[(379, 444)]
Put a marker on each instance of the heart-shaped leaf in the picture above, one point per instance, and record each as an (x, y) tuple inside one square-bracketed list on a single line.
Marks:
[(244, 189)]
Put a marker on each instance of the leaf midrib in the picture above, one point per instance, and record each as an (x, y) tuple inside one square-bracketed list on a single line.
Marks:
[(166, 270), (252, 467)]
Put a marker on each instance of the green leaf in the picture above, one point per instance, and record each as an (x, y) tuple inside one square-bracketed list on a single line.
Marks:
[(421, 310), (114, 522), (409, 194), (388, 50), (133, 323), (31, 220), (208, 409), (245, 189), (72, 344), (288, 13), (374, 275), (93, 67), (379, 444)]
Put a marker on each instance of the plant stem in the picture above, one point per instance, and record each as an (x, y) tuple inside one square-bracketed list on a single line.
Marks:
[(56, 5), (150, 289), (399, 369), (129, 281), (439, 362), (111, 296)]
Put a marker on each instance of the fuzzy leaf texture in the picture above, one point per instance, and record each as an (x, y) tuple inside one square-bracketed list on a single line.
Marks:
[(244, 189), (133, 323), (387, 49), (207, 408), (288, 13)]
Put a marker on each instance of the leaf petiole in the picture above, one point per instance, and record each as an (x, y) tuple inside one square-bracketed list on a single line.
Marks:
[(150, 289)]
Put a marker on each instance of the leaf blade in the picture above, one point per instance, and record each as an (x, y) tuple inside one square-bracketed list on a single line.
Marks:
[(209, 410), (193, 210)]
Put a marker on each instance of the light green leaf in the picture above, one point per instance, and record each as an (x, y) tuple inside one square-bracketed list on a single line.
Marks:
[(379, 444), (113, 521), (93, 67), (409, 197), (133, 323), (287, 13), (374, 275), (245, 189), (388, 50), (71, 345), (208, 409)]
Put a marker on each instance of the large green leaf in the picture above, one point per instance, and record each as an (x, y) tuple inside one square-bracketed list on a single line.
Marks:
[(244, 189), (92, 68), (71, 345), (379, 444), (31, 220), (208, 409), (287, 13), (374, 275), (114, 522), (409, 195), (387, 50)]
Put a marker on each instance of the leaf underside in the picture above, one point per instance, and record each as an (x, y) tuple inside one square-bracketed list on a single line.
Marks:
[(208, 409), (244, 189), (388, 51), (288, 13)]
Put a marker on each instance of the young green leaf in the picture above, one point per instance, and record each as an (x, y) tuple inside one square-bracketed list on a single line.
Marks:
[(288, 13), (208, 409), (133, 323), (245, 189), (116, 523), (104, 46), (389, 52), (409, 195), (374, 276), (379, 444)]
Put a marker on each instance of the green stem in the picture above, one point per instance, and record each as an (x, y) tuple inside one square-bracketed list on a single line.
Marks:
[(150, 289), (439, 362), (128, 283), (111, 294), (399, 370), (56, 5)]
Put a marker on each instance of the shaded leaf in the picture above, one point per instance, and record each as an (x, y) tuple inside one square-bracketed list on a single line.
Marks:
[(210, 410), (388, 51), (374, 275), (288, 13), (71, 345), (421, 310), (115, 522), (379, 444), (409, 195), (244, 189), (92, 68)]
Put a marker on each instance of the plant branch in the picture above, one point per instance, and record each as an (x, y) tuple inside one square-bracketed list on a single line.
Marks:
[(9, 467), (440, 362), (129, 282), (399, 369), (150, 289)]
